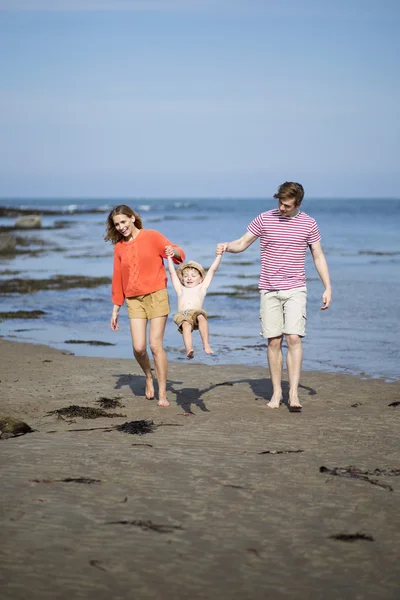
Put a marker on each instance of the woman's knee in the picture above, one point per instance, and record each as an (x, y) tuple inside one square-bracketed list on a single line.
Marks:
[(156, 347), (139, 350)]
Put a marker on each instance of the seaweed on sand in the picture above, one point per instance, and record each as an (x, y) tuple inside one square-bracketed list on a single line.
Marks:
[(87, 480), (86, 412), (281, 451), (147, 525), (354, 473), (137, 427), (351, 537), (108, 403)]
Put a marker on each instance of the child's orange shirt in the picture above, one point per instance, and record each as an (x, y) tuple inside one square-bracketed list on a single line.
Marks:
[(139, 266)]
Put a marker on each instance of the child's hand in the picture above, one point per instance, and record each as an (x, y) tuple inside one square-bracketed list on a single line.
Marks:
[(169, 251), (221, 248)]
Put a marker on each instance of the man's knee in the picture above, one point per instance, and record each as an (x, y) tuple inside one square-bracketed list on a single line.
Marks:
[(275, 343), (293, 340)]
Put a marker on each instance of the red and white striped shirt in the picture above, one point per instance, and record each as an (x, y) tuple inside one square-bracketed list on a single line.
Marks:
[(283, 246)]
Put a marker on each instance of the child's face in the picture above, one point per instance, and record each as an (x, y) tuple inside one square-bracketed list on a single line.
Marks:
[(191, 277)]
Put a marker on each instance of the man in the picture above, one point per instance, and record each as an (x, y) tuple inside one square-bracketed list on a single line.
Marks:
[(285, 234)]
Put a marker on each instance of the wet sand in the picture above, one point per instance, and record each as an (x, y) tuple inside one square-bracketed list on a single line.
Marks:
[(198, 509)]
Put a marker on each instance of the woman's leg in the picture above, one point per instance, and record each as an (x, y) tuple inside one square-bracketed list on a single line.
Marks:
[(157, 329), (138, 332)]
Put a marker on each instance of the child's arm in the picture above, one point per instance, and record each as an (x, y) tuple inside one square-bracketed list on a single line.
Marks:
[(169, 251), (212, 270)]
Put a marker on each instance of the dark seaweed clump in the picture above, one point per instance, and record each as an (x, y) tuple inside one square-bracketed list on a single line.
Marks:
[(22, 314), (137, 427), (89, 342), (86, 412), (354, 473), (351, 537), (148, 526), (109, 402), (87, 480)]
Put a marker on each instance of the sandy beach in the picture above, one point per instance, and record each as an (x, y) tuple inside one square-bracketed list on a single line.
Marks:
[(224, 499)]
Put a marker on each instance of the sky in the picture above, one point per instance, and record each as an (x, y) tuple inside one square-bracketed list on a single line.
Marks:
[(199, 98)]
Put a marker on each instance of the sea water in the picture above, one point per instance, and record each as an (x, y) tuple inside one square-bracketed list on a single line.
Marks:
[(358, 334)]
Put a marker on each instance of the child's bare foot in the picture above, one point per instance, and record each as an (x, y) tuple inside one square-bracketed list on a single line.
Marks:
[(163, 402), (275, 401), (208, 349), (190, 354), (149, 390)]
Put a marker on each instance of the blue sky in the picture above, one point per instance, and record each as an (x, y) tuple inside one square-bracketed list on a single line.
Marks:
[(186, 98)]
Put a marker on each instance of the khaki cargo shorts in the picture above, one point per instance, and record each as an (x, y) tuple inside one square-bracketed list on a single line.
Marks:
[(283, 312), (148, 306), (191, 316)]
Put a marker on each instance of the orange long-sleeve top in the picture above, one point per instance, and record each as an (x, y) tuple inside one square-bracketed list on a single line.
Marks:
[(139, 267)]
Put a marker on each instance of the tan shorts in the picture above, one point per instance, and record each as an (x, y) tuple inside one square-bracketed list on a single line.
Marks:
[(148, 306), (283, 312), (191, 316)]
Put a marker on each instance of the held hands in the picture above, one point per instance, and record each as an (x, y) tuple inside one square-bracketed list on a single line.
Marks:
[(326, 299), (221, 248), (169, 251)]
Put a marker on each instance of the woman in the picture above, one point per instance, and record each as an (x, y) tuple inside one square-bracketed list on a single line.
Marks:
[(139, 276)]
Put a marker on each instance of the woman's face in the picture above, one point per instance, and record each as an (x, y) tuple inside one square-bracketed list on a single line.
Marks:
[(125, 225)]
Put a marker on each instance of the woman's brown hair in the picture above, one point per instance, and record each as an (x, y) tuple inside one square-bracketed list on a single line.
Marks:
[(122, 209)]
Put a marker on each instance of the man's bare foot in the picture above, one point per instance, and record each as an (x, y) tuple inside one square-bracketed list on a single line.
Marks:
[(190, 354), (294, 404), (275, 401), (149, 390), (163, 402), (208, 349)]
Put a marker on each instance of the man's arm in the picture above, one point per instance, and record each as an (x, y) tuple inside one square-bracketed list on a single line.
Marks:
[(211, 271), (322, 268), (237, 245), (169, 251)]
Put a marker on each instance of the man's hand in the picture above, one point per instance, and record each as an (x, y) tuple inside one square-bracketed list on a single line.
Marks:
[(169, 251), (326, 299)]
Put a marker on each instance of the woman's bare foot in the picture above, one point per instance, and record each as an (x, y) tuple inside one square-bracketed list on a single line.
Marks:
[(163, 402), (275, 401), (208, 349), (190, 354), (149, 390)]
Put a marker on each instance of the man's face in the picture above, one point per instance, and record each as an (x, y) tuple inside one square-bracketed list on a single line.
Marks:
[(287, 207)]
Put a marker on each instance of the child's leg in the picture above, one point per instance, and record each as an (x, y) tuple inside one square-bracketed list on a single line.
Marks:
[(203, 329), (187, 338)]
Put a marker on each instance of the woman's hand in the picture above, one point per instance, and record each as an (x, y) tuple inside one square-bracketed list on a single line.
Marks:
[(169, 251), (114, 319)]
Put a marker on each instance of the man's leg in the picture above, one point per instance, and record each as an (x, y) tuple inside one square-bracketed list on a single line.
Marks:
[(187, 338), (138, 333), (275, 363), (203, 330), (293, 360), (295, 329), (157, 328)]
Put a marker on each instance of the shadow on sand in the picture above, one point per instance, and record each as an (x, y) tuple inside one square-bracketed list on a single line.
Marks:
[(188, 398)]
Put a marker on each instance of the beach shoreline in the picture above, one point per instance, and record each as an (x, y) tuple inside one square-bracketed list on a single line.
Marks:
[(225, 499)]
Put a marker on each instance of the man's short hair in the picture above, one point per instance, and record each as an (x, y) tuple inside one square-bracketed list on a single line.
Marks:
[(289, 190)]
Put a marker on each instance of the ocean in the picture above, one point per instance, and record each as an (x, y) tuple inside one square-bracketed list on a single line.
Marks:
[(360, 237)]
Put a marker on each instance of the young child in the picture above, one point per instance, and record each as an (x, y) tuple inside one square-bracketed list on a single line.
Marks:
[(191, 283)]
